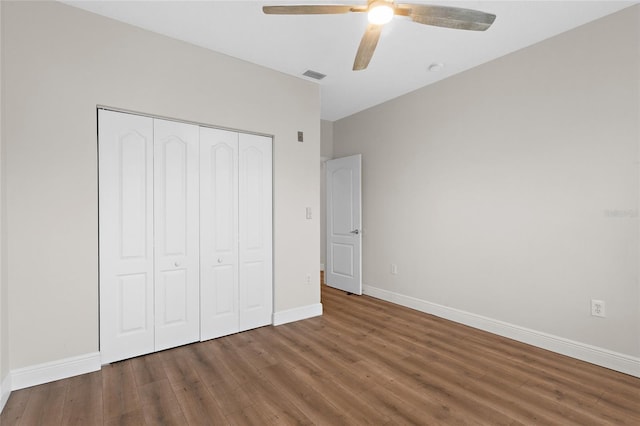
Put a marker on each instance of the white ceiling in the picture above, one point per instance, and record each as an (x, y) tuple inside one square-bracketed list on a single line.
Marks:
[(328, 43)]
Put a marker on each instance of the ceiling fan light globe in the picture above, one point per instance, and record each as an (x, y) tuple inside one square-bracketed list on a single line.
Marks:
[(380, 13)]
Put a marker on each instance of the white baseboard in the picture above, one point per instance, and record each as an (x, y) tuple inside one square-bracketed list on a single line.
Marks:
[(5, 391), (616, 361), (54, 370), (297, 314), (322, 266)]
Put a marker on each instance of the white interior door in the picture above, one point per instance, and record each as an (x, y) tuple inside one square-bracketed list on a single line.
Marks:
[(176, 205), (125, 144), (255, 254), (344, 224), (218, 233)]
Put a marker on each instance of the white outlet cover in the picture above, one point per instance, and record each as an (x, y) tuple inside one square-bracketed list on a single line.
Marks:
[(598, 308)]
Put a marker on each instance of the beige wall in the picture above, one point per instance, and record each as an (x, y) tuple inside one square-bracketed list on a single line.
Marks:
[(326, 153), (4, 311), (326, 139), (511, 191), (60, 63)]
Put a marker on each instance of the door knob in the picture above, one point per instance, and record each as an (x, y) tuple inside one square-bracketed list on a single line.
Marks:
[(355, 231), (219, 260), (176, 264)]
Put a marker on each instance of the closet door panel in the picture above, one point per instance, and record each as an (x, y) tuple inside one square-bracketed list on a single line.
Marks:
[(255, 254), (176, 233), (125, 144), (218, 233)]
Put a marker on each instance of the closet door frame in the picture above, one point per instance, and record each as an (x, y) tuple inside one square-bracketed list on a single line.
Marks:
[(130, 331)]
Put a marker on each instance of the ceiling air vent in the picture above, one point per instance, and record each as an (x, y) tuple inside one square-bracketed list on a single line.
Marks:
[(314, 74)]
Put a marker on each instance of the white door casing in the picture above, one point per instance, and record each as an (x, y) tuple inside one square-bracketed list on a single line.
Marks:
[(255, 226), (219, 293), (176, 232), (126, 237), (344, 224)]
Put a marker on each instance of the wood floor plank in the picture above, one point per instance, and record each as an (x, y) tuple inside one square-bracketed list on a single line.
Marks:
[(197, 404), (618, 410), (238, 362), (179, 369), (272, 406), (354, 405), (15, 407), (304, 366), (160, 405), (447, 386), (307, 399), (258, 355), (250, 416), (149, 368), (228, 391), (119, 391), (401, 410), (323, 358), (365, 361), (45, 404), (131, 418), (83, 402), (212, 371)]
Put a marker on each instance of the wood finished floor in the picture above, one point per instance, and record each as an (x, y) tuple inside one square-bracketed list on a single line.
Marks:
[(364, 361)]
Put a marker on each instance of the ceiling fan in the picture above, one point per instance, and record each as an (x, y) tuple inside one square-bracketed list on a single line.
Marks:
[(380, 12)]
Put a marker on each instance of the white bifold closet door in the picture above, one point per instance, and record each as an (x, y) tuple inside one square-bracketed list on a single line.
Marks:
[(255, 217), (235, 233), (176, 232), (219, 295), (185, 233), (149, 259), (126, 235)]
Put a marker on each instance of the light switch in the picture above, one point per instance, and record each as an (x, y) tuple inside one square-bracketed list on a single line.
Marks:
[(309, 215)]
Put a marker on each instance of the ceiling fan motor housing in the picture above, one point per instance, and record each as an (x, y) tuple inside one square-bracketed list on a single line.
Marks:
[(380, 11)]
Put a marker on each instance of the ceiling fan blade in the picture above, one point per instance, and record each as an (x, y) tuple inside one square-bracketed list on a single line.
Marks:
[(308, 9), (448, 17), (367, 46)]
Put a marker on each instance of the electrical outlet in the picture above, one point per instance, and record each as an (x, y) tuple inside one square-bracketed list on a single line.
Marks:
[(598, 308), (394, 269), (308, 279)]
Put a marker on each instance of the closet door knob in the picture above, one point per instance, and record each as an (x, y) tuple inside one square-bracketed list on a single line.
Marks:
[(219, 260), (176, 264)]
